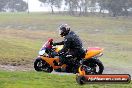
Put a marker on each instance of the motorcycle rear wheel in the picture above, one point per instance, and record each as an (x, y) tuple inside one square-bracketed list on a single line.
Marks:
[(95, 62), (80, 80)]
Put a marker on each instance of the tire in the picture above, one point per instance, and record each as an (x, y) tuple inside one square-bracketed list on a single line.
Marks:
[(58, 70), (36, 66), (95, 62), (101, 66), (80, 80), (41, 65)]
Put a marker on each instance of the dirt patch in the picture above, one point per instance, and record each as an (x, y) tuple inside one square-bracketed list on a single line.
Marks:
[(115, 70), (23, 68), (107, 70), (15, 68)]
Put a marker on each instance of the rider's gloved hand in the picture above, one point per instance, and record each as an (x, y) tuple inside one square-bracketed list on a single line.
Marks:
[(54, 44), (60, 53)]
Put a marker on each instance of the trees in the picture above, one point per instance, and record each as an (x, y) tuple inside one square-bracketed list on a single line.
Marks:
[(76, 7), (13, 5), (116, 7), (72, 6), (2, 4), (113, 7), (80, 6), (83, 7), (53, 3)]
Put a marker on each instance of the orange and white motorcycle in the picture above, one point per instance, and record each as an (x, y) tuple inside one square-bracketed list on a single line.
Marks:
[(48, 60)]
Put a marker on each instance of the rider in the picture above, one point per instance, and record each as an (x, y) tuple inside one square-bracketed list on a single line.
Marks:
[(72, 44)]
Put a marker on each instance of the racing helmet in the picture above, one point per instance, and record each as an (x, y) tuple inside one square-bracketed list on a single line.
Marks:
[(64, 29)]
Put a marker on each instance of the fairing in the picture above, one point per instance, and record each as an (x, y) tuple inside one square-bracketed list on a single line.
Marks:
[(92, 52)]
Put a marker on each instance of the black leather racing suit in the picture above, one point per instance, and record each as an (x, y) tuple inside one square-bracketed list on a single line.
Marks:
[(72, 46)]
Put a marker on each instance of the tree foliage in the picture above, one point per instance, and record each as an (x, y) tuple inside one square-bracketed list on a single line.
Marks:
[(13, 5), (76, 7), (116, 7), (83, 7), (53, 3)]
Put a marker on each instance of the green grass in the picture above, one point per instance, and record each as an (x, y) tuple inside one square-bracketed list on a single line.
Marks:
[(44, 80), (17, 51)]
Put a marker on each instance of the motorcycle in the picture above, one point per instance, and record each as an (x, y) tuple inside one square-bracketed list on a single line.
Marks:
[(48, 60)]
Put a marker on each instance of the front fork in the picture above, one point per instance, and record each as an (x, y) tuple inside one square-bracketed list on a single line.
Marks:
[(80, 70)]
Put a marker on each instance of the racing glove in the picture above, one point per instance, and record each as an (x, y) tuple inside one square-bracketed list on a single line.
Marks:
[(54, 44), (61, 53)]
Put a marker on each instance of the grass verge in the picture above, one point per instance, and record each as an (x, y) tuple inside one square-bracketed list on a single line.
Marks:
[(45, 80)]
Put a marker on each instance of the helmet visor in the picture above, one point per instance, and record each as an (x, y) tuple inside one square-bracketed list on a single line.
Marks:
[(60, 32)]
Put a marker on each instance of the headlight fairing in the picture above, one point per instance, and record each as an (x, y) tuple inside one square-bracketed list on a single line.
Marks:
[(42, 52)]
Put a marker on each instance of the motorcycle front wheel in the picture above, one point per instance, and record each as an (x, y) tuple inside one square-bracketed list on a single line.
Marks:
[(41, 65)]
